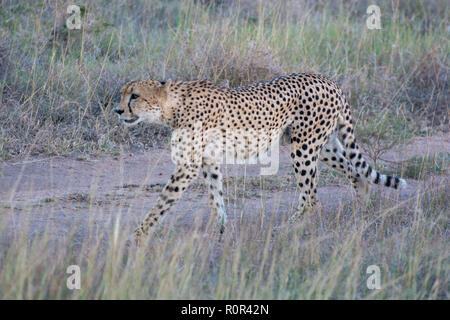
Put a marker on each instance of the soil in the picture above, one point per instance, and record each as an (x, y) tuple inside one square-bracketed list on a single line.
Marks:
[(67, 194)]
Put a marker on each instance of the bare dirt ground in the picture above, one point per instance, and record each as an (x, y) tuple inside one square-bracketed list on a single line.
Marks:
[(62, 195)]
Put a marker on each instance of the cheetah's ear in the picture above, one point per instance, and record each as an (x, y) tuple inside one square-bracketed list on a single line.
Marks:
[(165, 86)]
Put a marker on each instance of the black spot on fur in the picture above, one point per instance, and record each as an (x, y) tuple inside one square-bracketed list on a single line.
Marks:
[(388, 181), (377, 179), (397, 182)]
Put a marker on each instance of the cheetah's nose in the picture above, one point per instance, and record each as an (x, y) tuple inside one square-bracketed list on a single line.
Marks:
[(118, 111)]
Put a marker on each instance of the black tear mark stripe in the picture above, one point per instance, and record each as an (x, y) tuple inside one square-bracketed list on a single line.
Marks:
[(129, 107), (129, 102)]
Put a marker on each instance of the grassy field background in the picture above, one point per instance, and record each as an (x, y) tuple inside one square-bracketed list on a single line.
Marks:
[(58, 86)]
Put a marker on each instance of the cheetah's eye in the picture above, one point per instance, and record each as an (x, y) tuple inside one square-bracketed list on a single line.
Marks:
[(134, 96)]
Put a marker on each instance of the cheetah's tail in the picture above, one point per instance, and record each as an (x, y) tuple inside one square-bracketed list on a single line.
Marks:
[(345, 131)]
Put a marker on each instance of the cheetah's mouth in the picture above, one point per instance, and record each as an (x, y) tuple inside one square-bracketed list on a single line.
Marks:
[(133, 120)]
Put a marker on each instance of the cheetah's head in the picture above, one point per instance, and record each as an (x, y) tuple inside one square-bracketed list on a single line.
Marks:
[(143, 100)]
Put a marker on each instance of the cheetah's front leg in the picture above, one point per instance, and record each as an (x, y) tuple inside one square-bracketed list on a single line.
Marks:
[(179, 181)]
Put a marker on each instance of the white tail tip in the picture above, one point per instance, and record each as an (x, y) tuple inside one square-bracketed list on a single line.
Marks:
[(403, 184)]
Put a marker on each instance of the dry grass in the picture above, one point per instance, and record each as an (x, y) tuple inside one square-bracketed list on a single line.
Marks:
[(57, 87), (323, 256)]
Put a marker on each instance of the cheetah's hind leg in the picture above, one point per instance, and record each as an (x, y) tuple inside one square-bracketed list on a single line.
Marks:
[(304, 158)]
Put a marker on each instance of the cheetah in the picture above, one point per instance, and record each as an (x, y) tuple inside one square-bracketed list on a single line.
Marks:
[(202, 115)]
